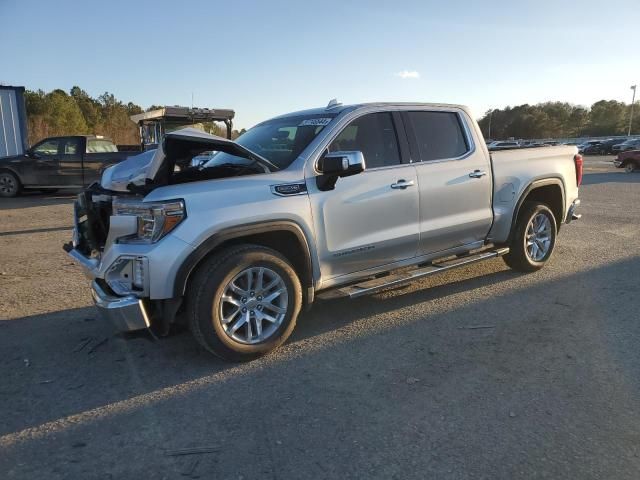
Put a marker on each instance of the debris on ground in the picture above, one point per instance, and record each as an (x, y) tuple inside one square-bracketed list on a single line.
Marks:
[(476, 327), (97, 345), (190, 470), (83, 343), (191, 451)]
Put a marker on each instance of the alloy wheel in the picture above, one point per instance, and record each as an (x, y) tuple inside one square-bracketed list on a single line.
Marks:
[(538, 237), (253, 305)]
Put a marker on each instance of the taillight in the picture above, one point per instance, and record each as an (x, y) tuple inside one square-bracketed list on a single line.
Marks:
[(577, 159)]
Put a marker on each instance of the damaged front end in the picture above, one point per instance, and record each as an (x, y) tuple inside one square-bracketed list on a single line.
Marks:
[(118, 235), (170, 164), (118, 291)]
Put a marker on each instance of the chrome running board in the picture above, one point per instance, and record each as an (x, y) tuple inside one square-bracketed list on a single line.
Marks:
[(395, 280)]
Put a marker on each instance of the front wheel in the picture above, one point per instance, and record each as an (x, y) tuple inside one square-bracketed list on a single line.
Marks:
[(533, 239), (630, 167), (244, 302)]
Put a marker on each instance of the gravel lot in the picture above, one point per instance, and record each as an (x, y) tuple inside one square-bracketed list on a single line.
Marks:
[(396, 385)]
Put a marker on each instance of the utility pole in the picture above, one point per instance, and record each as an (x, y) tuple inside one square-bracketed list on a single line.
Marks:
[(490, 117), (633, 100)]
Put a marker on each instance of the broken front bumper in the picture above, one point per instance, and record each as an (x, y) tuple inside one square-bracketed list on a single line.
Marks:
[(127, 313)]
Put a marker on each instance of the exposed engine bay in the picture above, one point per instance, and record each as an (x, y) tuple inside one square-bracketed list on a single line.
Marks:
[(173, 163)]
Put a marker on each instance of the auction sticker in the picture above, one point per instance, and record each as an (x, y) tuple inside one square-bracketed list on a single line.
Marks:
[(317, 122)]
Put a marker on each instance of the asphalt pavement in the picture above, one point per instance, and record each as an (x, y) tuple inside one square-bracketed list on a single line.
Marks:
[(478, 373)]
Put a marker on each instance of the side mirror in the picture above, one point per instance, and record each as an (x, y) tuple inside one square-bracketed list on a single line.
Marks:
[(334, 165)]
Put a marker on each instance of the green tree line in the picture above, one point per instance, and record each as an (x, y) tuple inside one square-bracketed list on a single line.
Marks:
[(560, 120), (76, 113)]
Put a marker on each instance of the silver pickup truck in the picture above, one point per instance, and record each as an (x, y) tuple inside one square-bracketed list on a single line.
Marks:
[(335, 201)]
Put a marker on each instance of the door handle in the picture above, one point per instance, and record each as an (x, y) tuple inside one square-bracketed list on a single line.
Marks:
[(402, 184), (477, 174)]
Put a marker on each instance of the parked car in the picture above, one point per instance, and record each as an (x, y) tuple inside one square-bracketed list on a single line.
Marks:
[(629, 160), (602, 147), (366, 197), (584, 145), (631, 144), (498, 145), (609, 144), (58, 162)]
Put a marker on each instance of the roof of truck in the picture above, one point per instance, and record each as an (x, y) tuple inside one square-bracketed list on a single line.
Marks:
[(92, 137), (339, 108)]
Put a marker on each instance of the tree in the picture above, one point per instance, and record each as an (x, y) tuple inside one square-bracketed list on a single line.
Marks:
[(558, 120), (608, 117), (76, 113)]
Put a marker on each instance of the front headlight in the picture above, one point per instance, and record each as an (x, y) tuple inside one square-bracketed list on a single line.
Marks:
[(155, 219)]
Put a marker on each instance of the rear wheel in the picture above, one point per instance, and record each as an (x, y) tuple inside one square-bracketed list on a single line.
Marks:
[(630, 167), (534, 238), (244, 302), (9, 184)]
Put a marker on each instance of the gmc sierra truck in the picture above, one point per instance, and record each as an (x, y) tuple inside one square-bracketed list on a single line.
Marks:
[(59, 162), (335, 201)]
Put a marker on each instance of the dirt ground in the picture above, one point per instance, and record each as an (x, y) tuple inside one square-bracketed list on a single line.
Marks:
[(398, 385)]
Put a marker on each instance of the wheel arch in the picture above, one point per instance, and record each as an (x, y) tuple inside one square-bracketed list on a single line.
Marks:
[(283, 236), (4, 168), (550, 191)]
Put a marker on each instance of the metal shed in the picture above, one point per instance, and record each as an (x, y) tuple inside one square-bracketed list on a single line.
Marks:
[(13, 121)]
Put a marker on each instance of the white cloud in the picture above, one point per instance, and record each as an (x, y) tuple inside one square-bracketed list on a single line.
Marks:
[(404, 74)]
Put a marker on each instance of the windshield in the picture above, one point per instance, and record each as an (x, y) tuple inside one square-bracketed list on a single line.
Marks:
[(280, 140)]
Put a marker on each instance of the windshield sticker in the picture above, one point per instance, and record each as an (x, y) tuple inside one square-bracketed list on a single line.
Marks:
[(317, 122)]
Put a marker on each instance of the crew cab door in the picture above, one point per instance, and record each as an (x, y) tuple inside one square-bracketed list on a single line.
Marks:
[(70, 166), (369, 219), (454, 178)]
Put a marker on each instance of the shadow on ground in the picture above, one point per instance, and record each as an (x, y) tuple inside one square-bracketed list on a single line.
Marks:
[(399, 385)]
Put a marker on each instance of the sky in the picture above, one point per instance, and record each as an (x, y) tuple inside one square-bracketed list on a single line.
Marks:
[(265, 58)]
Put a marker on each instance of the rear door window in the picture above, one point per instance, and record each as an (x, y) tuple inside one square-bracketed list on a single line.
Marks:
[(70, 146), (439, 135), (374, 135), (100, 146)]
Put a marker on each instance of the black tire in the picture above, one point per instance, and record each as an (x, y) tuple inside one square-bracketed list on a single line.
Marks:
[(10, 185), (630, 167), (518, 257), (204, 299)]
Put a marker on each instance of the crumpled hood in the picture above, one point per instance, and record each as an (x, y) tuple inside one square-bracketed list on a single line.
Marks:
[(141, 170), (132, 171)]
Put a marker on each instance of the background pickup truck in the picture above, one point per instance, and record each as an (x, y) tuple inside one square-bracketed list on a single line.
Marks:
[(629, 160), (335, 201), (59, 162)]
